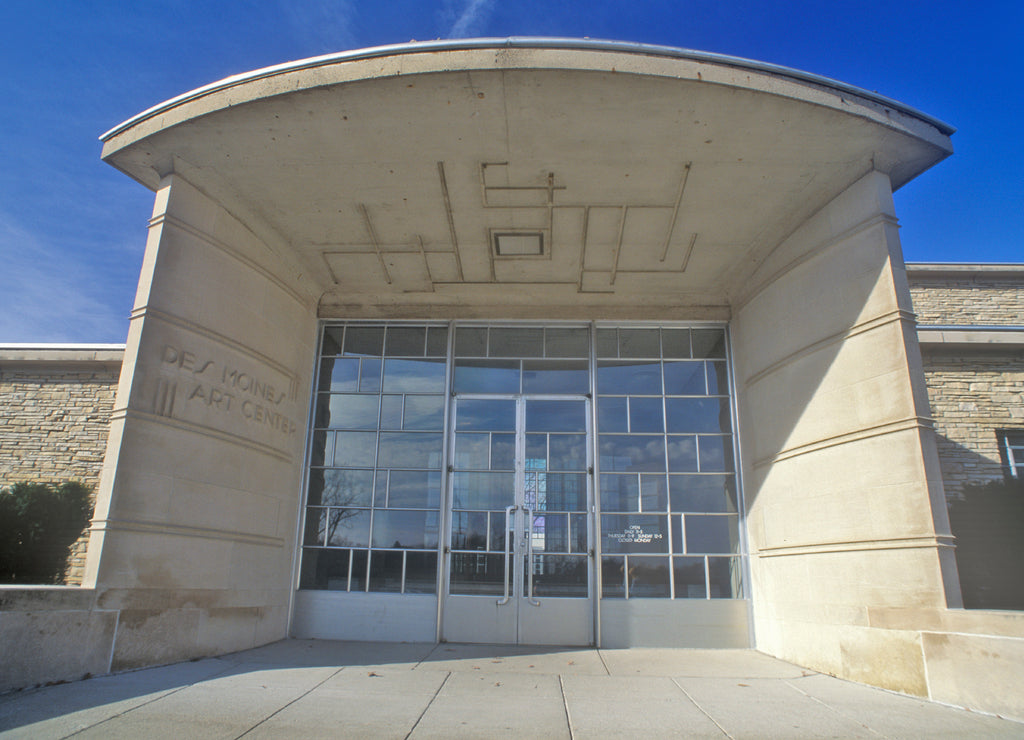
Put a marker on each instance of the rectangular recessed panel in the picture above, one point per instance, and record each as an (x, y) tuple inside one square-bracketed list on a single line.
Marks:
[(518, 244)]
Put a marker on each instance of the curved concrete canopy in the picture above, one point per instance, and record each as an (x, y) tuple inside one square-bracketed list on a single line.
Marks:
[(654, 177)]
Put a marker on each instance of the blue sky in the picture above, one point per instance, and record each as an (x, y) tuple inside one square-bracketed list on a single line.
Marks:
[(72, 229)]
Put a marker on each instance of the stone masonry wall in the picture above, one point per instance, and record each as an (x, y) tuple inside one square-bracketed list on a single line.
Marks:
[(54, 420), (972, 395), (974, 391), (966, 302)]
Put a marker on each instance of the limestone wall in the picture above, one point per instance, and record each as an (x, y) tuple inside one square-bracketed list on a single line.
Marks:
[(55, 409), (964, 299), (974, 389), (972, 395)]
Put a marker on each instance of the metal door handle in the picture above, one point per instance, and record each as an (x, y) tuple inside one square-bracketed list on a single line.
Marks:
[(529, 559), (508, 541)]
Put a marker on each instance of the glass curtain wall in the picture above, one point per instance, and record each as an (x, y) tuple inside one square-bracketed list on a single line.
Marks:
[(374, 492), (666, 488)]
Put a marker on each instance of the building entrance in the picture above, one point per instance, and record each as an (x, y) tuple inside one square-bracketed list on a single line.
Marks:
[(519, 555)]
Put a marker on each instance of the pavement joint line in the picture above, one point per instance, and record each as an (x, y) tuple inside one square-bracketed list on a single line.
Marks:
[(164, 695), (429, 704), (431, 652), (565, 703), (702, 709), (601, 656), (285, 706), (796, 688)]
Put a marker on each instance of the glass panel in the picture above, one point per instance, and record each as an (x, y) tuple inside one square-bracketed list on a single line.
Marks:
[(612, 414), (415, 488), (703, 493), (437, 346), (607, 343), (682, 453), (613, 578), (516, 342), (391, 412), (640, 378), (698, 414), (414, 376), (690, 580), (556, 416), (562, 492), (536, 451), (560, 575), (316, 526), (332, 340), (726, 578), (469, 530), (471, 341), (632, 453), (340, 487), (354, 449), (409, 529), (424, 412), (578, 533), (503, 451), (473, 574), (420, 572), (551, 533), (358, 570), (348, 527), (653, 493), (337, 374), (486, 416), (684, 379), (324, 569), (322, 449), (386, 571), (564, 342), (409, 450), (709, 343), (718, 379), (715, 454), (498, 530), (567, 452), (712, 534), (369, 375), (483, 490), (471, 451), (380, 488), (639, 343), (648, 578), (547, 376), (352, 412), (675, 343), (405, 341), (646, 415), (364, 340), (634, 533), (620, 492)]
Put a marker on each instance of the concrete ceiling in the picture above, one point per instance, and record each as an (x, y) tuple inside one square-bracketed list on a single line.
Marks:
[(653, 181)]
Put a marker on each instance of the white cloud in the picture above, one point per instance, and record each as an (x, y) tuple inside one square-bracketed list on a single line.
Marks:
[(326, 25), (470, 22), (48, 294)]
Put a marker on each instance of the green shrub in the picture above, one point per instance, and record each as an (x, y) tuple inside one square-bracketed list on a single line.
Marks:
[(38, 524)]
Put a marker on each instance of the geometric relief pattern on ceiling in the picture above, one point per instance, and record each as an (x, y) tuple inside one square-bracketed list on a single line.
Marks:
[(585, 245)]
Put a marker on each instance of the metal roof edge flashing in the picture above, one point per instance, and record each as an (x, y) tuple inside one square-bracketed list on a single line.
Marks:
[(526, 42)]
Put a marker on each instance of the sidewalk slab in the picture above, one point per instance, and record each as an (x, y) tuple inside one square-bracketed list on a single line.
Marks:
[(308, 688)]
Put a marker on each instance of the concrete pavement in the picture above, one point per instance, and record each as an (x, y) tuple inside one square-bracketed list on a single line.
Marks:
[(311, 689)]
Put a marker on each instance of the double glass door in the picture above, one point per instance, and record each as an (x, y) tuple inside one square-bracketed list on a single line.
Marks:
[(519, 557)]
